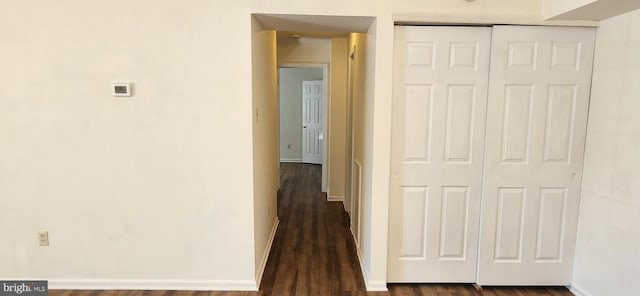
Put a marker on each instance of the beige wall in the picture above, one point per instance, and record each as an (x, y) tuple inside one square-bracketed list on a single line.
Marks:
[(265, 145), (338, 87), (304, 50), (375, 167), (384, 8), (607, 253), (358, 137), (156, 186), (290, 101)]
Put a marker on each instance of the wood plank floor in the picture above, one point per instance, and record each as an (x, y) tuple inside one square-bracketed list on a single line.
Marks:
[(314, 253)]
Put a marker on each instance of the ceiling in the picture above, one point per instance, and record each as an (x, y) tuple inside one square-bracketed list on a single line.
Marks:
[(598, 10), (323, 24)]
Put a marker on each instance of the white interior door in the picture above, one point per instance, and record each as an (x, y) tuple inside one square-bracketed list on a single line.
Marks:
[(312, 121), (439, 107), (538, 101)]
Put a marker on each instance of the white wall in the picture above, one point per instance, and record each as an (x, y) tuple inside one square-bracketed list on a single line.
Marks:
[(608, 246), (290, 96), (152, 187), (265, 144)]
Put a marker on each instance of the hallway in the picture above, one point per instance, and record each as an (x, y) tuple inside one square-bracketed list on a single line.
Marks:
[(313, 252)]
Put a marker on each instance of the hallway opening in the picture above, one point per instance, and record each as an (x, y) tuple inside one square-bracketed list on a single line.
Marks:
[(282, 41), (303, 109)]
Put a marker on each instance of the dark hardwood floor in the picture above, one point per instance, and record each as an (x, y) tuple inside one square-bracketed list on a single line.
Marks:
[(314, 253)]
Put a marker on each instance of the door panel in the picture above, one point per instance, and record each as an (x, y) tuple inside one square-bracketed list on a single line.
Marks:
[(439, 107), (536, 124), (413, 222), (510, 217), (454, 223), (459, 134), (312, 121)]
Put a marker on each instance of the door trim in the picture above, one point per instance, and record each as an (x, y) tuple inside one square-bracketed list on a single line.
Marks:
[(477, 20)]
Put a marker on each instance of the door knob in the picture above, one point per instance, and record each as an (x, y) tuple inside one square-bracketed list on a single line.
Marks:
[(304, 126)]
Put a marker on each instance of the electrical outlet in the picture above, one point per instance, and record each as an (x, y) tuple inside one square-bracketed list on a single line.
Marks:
[(43, 238)]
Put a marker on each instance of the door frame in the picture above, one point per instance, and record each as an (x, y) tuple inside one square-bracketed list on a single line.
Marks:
[(349, 157), (326, 117)]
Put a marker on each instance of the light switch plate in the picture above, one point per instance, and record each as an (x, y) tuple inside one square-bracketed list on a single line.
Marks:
[(43, 238), (121, 89)]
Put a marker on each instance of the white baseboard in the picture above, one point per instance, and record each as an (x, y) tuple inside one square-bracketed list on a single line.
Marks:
[(372, 286), (375, 286), (265, 255), (576, 290), (335, 198), (290, 160), (152, 284)]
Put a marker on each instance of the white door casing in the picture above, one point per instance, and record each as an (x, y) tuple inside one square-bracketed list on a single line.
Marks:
[(353, 187), (536, 123), (356, 207), (312, 118), (349, 159), (439, 107)]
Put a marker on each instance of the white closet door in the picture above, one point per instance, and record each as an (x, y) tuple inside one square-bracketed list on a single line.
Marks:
[(439, 108), (536, 121)]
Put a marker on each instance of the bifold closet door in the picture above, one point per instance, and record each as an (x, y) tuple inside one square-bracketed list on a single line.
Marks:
[(439, 108), (536, 123)]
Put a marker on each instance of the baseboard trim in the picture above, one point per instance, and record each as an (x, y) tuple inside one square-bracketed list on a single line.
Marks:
[(376, 286), (371, 286), (335, 198), (290, 160), (152, 284), (576, 290), (265, 255)]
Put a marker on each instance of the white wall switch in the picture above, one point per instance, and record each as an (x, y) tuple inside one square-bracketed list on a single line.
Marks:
[(43, 238)]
